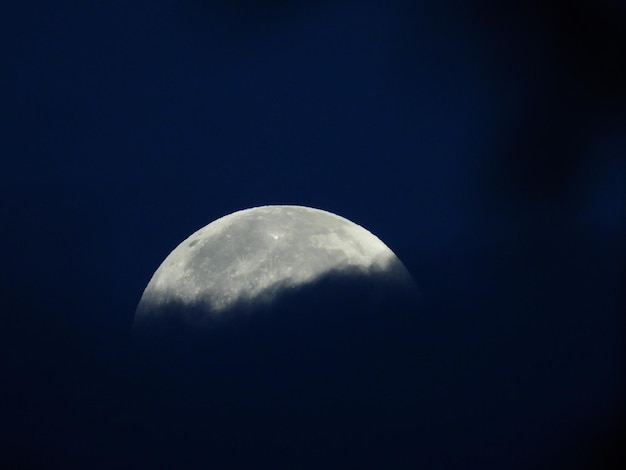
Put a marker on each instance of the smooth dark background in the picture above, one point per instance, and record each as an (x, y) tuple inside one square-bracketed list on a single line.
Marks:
[(483, 143)]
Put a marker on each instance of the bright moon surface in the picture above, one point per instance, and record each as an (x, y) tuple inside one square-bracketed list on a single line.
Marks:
[(254, 254)]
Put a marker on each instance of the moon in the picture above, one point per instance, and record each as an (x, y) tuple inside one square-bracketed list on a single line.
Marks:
[(254, 257), (276, 331)]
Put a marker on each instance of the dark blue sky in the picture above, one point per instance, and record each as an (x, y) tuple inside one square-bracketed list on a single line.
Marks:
[(484, 144)]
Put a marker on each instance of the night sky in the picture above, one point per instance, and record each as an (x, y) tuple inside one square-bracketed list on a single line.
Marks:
[(483, 143)]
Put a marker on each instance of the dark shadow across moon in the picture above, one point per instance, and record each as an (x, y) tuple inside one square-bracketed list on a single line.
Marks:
[(325, 369)]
